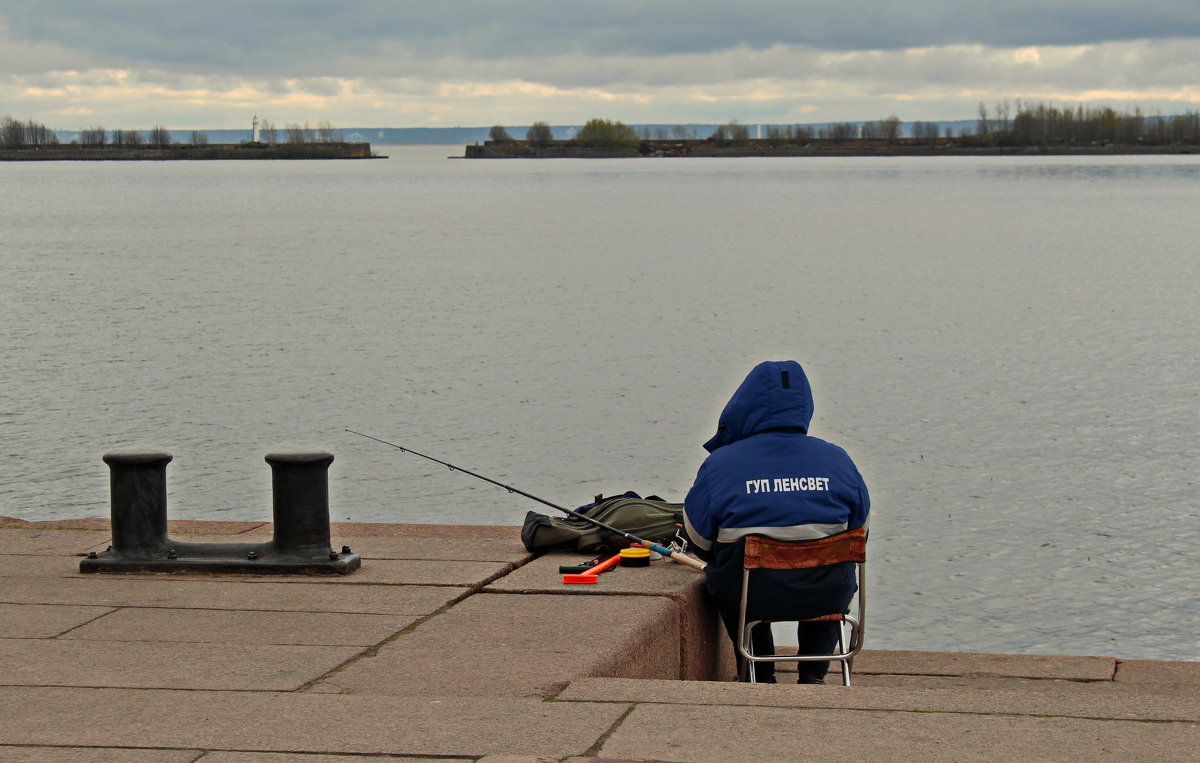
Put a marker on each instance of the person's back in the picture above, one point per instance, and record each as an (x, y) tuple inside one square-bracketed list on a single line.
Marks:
[(765, 475)]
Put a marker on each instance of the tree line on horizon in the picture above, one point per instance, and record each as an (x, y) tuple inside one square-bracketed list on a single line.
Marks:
[(1004, 125), (15, 133)]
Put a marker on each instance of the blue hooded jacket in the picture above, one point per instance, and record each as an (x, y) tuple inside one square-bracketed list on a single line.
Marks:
[(765, 475)]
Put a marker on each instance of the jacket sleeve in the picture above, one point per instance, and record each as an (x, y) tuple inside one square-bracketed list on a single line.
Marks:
[(698, 520), (860, 513)]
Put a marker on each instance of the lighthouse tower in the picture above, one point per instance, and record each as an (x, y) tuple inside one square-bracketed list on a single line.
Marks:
[(254, 129)]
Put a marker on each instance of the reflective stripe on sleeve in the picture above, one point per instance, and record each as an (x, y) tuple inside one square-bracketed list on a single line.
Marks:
[(696, 538)]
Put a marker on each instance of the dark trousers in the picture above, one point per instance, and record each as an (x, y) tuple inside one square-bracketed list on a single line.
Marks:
[(812, 638)]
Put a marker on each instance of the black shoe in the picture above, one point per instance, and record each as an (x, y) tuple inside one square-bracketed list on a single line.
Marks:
[(820, 681)]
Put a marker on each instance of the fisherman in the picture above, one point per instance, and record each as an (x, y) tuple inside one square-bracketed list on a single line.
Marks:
[(765, 475)]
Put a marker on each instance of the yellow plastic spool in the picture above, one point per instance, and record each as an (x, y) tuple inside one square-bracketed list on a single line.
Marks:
[(635, 557)]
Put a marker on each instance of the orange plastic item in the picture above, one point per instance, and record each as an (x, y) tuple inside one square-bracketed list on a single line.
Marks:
[(592, 575)]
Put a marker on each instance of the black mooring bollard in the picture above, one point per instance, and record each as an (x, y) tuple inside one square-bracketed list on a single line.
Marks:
[(300, 498), (138, 481), (300, 545)]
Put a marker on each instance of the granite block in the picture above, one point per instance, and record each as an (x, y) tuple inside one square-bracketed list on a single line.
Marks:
[(241, 627), (57, 662), (298, 722)]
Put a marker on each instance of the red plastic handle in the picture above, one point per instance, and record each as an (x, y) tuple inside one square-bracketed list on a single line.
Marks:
[(593, 574)]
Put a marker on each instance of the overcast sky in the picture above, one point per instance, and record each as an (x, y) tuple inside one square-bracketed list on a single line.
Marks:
[(395, 63)]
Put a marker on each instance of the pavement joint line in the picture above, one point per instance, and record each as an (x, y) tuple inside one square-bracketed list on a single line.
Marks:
[(594, 750), (77, 626), (1118, 663)]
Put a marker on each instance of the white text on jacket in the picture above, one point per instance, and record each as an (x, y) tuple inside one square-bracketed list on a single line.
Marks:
[(787, 484)]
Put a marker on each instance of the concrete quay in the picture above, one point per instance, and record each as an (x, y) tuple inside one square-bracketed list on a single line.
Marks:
[(454, 644)]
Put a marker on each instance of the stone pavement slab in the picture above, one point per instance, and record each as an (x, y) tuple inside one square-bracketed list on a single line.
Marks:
[(301, 722), (58, 662), (1165, 677), (704, 648), (52, 542), (506, 645), (990, 683), (541, 575), (38, 566), (174, 526), (449, 549), (978, 664), (240, 627), (700, 733), (1115, 705), (415, 572), (502, 535), (44, 620), (376, 571), (450, 641), (209, 592)]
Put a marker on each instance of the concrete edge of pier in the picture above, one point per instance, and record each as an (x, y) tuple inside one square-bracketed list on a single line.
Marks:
[(453, 643)]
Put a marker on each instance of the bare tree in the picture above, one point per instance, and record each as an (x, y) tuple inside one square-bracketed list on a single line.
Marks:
[(93, 136), (17, 134), (1003, 115), (296, 133), (732, 131), (499, 135), (12, 132), (160, 136), (199, 138), (889, 129), (268, 132), (984, 128), (801, 134), (679, 132), (326, 133), (838, 131), (926, 131)]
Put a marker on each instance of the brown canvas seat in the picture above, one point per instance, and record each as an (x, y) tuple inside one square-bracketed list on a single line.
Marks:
[(764, 553)]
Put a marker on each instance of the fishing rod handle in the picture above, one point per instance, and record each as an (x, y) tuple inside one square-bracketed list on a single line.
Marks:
[(675, 556)]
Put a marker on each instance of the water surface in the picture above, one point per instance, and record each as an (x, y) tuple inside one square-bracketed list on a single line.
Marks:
[(1006, 346)]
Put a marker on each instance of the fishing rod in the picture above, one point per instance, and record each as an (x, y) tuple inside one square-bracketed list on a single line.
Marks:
[(673, 555)]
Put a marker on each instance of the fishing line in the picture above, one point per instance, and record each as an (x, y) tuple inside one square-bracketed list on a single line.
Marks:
[(679, 557)]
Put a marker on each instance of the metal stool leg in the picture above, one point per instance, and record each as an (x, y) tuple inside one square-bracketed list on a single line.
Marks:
[(842, 649)]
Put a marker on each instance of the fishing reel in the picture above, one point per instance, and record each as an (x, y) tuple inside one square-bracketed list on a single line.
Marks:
[(679, 544)]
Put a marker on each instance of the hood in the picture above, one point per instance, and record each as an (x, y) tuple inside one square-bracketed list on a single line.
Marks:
[(775, 395)]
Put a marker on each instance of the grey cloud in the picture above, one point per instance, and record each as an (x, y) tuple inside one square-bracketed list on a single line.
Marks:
[(339, 38)]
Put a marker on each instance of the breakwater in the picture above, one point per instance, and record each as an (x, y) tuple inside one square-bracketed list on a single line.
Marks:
[(223, 151), (829, 148)]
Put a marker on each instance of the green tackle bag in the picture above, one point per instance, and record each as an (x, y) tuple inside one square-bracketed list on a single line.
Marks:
[(651, 519)]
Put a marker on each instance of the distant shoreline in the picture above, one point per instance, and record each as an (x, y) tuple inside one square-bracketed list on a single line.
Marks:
[(177, 152), (814, 148)]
